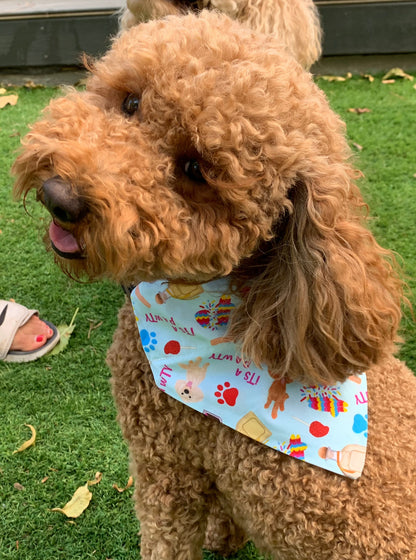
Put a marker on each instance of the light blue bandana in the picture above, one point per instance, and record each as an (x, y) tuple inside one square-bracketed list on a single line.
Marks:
[(183, 332)]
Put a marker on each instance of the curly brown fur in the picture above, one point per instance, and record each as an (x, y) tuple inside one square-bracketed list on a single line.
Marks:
[(294, 22), (294, 511), (274, 205), (278, 207)]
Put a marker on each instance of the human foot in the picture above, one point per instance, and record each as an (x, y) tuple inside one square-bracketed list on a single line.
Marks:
[(32, 335), (23, 336)]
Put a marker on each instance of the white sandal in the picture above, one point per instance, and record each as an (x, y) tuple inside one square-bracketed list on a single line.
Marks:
[(12, 317)]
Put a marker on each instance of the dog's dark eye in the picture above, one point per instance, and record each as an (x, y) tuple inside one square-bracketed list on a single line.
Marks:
[(193, 171), (131, 104)]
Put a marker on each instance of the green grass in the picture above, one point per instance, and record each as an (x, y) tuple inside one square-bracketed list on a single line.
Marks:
[(67, 397), (388, 160)]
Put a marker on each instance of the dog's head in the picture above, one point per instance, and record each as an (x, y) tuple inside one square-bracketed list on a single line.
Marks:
[(199, 150)]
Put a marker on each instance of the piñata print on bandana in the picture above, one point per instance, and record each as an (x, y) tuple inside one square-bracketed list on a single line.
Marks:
[(183, 332)]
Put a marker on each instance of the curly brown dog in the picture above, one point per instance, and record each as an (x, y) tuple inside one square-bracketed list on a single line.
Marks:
[(201, 150), (294, 22)]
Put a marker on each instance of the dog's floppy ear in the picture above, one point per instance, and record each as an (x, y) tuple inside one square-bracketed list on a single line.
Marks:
[(326, 300)]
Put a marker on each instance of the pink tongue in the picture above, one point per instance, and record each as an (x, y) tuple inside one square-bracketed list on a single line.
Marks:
[(63, 240)]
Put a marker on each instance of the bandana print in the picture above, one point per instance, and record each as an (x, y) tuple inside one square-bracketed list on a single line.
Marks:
[(183, 332)]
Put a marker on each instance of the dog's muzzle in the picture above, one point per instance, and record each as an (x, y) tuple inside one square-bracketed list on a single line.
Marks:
[(66, 209)]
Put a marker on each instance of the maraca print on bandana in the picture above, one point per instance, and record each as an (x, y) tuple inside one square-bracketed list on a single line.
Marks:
[(214, 315), (325, 399)]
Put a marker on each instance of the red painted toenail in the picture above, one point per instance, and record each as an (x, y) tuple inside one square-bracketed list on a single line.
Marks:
[(39, 338)]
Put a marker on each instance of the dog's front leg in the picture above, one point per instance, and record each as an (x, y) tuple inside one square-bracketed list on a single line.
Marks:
[(172, 490), (173, 516)]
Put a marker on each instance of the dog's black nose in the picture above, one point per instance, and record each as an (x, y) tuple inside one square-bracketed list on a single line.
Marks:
[(62, 202)]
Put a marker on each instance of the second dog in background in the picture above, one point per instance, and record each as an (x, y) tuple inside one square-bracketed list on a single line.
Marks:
[(295, 23)]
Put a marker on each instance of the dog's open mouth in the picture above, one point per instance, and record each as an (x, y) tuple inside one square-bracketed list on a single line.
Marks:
[(64, 243)]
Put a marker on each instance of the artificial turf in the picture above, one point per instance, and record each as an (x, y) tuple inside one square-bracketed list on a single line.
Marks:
[(67, 397)]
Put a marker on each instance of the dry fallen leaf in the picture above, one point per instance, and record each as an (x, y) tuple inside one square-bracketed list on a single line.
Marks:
[(30, 84), (8, 100), (79, 502), (18, 486), (65, 332), (97, 479), (359, 110), (81, 83), (2, 90), (29, 442), (397, 73), (333, 78), (388, 81), (93, 325), (368, 77), (129, 484)]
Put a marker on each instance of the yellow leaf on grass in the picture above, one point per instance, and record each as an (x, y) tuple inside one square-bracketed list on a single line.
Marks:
[(8, 100), (397, 73), (359, 110), (333, 78), (369, 77), (97, 479), (79, 502), (129, 484), (2, 90), (29, 442), (30, 84), (65, 332)]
